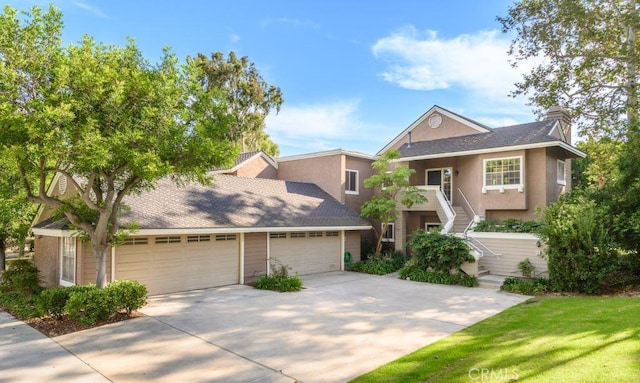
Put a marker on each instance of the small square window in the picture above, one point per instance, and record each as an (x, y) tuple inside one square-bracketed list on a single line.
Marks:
[(351, 182)]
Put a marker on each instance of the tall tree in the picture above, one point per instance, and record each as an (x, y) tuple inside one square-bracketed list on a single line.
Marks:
[(586, 59), (249, 98), (102, 116), (391, 187)]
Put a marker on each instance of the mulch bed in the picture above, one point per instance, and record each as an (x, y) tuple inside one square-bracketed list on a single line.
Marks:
[(52, 327)]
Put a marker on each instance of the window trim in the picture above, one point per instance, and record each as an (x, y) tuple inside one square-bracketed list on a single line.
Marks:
[(502, 187), (353, 192), (390, 226), (74, 242), (561, 181)]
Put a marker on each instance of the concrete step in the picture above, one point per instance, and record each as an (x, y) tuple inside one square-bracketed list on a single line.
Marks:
[(493, 282)]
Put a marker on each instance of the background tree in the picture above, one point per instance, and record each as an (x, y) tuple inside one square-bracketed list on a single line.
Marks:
[(106, 119), (587, 59), (600, 167), (391, 187), (248, 98)]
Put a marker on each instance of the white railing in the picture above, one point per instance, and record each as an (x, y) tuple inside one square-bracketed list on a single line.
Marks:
[(475, 217), (475, 247)]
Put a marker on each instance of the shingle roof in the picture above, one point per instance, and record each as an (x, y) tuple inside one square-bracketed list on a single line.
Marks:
[(236, 202), (508, 136)]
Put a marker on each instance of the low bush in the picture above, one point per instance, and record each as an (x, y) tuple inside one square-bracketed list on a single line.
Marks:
[(509, 225), (437, 252), (526, 268), (52, 301), (278, 279), (127, 295), (415, 273), (21, 277), (21, 306), (528, 286), (90, 305), (381, 264)]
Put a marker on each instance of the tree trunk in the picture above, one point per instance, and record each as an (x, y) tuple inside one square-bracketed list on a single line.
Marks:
[(99, 252), (382, 233), (3, 256)]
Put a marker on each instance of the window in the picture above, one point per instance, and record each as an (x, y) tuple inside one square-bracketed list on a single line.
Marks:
[(432, 225), (136, 241), (225, 237), (163, 240), (561, 173), (277, 235), (351, 182), (198, 238), (389, 233), (503, 173), (68, 261), (331, 234), (315, 234), (298, 235)]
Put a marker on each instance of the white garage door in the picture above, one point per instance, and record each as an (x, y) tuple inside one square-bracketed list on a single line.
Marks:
[(307, 253), (179, 263)]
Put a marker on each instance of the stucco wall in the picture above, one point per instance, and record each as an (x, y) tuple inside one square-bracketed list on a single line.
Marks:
[(257, 168), (448, 128), (363, 166), (46, 259), (326, 171), (255, 256)]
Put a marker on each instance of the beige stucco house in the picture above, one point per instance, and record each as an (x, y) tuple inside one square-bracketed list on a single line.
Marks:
[(304, 209)]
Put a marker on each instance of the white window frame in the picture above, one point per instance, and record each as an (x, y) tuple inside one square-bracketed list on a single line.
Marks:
[(346, 174), (431, 225), (391, 226), (562, 180), (68, 250), (502, 187)]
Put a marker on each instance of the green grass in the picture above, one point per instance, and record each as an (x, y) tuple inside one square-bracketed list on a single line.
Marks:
[(550, 339)]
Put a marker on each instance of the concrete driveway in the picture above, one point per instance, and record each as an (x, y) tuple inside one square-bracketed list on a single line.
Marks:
[(341, 326)]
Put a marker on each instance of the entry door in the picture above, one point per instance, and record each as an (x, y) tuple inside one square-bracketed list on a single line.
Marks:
[(441, 177)]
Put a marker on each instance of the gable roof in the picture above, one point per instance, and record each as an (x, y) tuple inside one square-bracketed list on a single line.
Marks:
[(239, 204), (350, 153), (522, 136), (462, 119), (246, 157)]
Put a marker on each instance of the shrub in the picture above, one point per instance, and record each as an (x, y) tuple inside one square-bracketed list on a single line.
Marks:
[(526, 268), (509, 225), (526, 286), (90, 305), (20, 306), (52, 301), (381, 264), (580, 252), (415, 273), (21, 277), (278, 279), (127, 295), (440, 253)]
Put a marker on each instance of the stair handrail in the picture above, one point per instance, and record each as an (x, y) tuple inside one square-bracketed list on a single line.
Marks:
[(468, 238), (476, 248), (448, 210), (473, 219)]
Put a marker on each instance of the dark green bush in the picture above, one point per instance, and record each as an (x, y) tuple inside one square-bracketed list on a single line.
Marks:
[(509, 225), (415, 273), (381, 264), (127, 295), (90, 305), (581, 256), (52, 301), (535, 286), (22, 277), (20, 306), (278, 279), (440, 253)]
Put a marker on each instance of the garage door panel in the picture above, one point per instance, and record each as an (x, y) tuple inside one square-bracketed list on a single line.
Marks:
[(166, 268), (307, 255)]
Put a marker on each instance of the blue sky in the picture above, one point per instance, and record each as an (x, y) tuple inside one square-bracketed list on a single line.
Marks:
[(353, 74)]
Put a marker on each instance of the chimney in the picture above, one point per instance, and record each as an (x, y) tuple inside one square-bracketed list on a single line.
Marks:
[(409, 142), (558, 113)]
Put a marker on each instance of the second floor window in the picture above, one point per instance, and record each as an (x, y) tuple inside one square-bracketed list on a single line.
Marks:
[(389, 233), (351, 182), (503, 172)]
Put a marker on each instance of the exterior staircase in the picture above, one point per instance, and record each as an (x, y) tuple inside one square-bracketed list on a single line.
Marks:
[(461, 221)]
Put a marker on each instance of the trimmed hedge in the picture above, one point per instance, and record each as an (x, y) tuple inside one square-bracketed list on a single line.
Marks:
[(381, 264), (415, 273), (535, 286)]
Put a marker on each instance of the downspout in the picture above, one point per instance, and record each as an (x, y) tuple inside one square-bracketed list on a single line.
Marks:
[(113, 264), (342, 249), (268, 251), (241, 281)]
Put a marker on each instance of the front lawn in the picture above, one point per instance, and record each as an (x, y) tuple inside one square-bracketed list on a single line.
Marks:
[(550, 339)]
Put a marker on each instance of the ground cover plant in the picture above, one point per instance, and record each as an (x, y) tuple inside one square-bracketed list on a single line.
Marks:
[(549, 339), (278, 279), (381, 264), (509, 225)]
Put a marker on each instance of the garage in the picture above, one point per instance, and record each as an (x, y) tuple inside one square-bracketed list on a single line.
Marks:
[(307, 252), (168, 264)]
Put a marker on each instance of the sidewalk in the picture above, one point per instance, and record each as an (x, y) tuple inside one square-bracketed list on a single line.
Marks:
[(27, 355)]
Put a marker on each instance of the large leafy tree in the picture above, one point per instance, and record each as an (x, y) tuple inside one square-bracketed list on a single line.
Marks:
[(586, 59), (105, 118), (391, 187), (248, 98)]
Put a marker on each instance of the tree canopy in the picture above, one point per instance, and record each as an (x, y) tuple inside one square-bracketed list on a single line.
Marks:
[(107, 120), (391, 186), (587, 59)]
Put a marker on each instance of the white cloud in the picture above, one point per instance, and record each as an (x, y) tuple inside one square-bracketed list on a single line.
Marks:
[(424, 61), (234, 37), (319, 127), (90, 8)]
